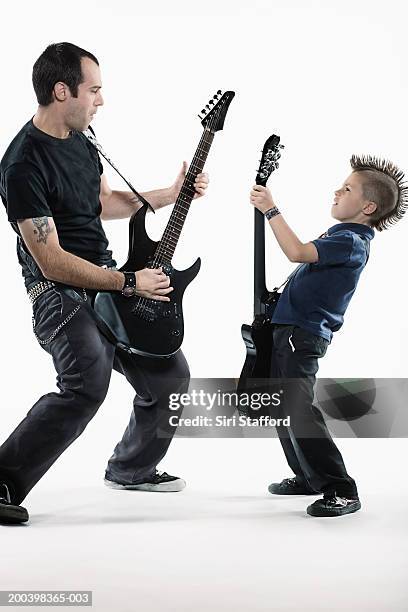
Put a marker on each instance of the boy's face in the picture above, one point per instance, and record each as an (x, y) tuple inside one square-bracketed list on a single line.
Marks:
[(349, 202)]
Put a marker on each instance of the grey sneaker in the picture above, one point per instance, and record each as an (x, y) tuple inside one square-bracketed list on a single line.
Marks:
[(290, 486), (9, 513), (160, 482), (331, 505)]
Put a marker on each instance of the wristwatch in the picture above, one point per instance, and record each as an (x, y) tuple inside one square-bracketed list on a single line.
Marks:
[(129, 288)]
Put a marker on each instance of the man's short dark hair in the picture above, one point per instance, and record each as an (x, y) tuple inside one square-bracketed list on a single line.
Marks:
[(59, 62), (383, 183)]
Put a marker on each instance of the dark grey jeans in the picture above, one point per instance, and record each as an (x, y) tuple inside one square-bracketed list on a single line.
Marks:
[(84, 359), (307, 443)]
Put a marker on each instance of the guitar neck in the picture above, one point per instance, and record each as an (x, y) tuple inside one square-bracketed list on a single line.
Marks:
[(167, 245), (259, 261)]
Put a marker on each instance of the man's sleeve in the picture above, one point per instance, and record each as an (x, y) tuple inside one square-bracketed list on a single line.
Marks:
[(335, 249), (25, 193)]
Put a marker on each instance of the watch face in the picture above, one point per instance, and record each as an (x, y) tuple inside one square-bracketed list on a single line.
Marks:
[(128, 291)]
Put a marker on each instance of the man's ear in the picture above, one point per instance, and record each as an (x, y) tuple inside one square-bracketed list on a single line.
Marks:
[(369, 208), (60, 91)]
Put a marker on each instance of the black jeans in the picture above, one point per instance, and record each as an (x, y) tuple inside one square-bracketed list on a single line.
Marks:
[(83, 359), (307, 443)]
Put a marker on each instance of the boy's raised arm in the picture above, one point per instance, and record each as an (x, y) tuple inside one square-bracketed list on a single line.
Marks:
[(294, 249)]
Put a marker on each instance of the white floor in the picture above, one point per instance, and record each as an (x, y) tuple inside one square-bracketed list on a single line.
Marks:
[(223, 543)]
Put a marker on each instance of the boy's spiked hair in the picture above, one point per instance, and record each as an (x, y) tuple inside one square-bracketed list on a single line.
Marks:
[(383, 183)]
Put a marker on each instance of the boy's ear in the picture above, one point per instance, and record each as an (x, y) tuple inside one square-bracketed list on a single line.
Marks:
[(369, 208)]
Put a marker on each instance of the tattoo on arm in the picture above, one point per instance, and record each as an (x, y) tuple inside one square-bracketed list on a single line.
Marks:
[(43, 228)]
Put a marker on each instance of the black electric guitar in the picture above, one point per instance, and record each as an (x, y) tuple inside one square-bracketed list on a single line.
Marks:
[(258, 336), (151, 327)]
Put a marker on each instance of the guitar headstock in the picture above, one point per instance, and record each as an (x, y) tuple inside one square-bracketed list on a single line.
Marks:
[(269, 159), (214, 112)]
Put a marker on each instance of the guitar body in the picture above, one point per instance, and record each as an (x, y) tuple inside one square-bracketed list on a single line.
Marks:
[(258, 340), (146, 327)]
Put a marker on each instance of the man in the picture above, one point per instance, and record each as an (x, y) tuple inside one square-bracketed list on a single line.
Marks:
[(311, 308), (53, 187)]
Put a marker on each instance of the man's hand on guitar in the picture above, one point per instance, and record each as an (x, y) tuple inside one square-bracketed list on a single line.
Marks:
[(261, 198), (153, 284), (200, 183)]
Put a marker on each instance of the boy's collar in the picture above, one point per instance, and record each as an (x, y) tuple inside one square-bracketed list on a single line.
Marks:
[(358, 228)]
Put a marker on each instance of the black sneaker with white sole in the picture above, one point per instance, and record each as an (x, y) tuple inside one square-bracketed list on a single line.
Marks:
[(9, 513), (160, 482), (290, 486), (332, 505)]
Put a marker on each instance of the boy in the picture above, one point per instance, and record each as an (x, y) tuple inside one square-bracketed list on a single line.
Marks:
[(311, 308)]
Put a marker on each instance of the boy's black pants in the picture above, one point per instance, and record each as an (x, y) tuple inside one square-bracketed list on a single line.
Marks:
[(307, 443), (83, 359)]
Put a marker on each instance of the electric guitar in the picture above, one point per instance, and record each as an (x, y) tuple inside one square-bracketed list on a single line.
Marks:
[(150, 327), (258, 336)]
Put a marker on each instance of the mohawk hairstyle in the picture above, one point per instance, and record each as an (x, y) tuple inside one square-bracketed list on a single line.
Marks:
[(383, 183)]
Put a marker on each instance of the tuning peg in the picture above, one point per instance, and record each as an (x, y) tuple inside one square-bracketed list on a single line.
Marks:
[(219, 92), (203, 111), (212, 102), (277, 165), (281, 146)]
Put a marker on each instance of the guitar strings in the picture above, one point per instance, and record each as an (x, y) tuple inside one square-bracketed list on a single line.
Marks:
[(143, 301), (175, 213), (156, 260)]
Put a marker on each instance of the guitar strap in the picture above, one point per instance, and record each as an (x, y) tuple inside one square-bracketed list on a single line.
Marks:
[(90, 136), (288, 279)]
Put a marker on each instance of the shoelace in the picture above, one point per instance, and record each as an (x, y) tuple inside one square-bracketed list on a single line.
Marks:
[(290, 481), (331, 499)]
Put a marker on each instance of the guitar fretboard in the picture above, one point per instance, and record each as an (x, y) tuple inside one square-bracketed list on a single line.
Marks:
[(167, 245)]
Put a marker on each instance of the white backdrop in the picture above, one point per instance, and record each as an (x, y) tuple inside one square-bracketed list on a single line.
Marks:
[(330, 79)]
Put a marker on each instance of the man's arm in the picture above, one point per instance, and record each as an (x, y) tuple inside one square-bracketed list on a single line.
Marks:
[(41, 238), (294, 249), (122, 204)]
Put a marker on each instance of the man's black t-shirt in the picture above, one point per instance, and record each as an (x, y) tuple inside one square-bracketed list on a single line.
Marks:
[(43, 176)]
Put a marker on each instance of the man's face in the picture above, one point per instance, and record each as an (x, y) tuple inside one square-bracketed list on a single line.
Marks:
[(349, 202), (79, 111)]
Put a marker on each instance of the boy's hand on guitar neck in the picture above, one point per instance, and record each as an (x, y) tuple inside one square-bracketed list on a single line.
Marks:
[(153, 284), (261, 198)]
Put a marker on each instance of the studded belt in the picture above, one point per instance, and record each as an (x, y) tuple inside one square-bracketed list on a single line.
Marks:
[(38, 289), (42, 286)]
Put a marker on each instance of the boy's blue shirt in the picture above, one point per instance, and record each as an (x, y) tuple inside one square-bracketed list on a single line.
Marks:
[(318, 294)]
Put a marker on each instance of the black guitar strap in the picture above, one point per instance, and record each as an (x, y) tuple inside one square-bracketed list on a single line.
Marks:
[(90, 136), (288, 279)]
